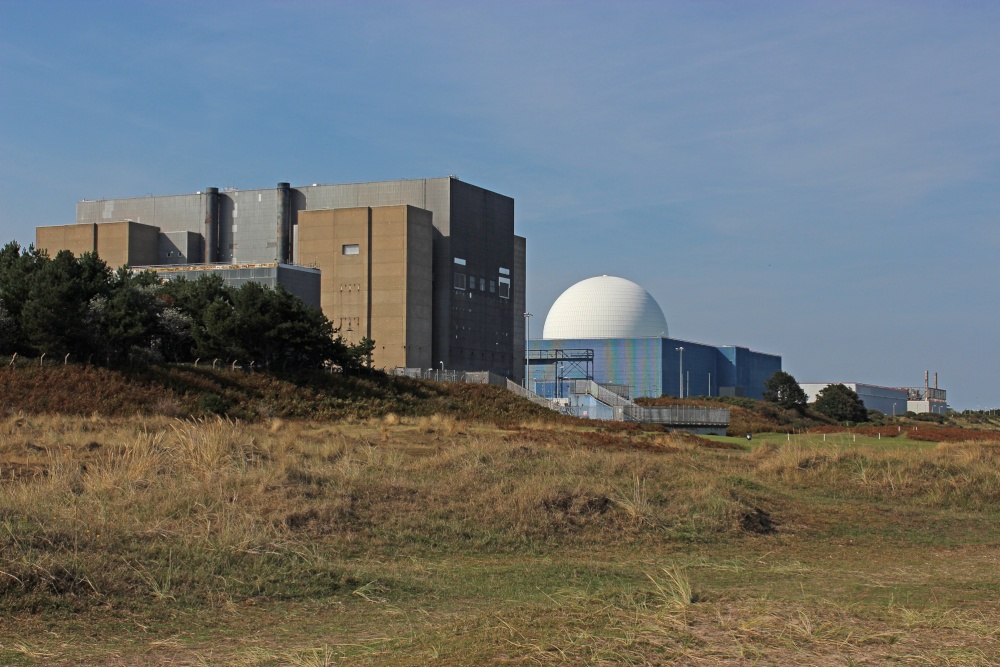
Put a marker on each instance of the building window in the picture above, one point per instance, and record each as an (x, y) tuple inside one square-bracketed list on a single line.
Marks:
[(504, 272), (482, 284), (505, 288), (493, 287), (460, 261), (459, 280), (351, 249)]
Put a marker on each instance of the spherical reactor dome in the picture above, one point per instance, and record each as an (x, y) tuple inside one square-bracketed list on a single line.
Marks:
[(605, 307)]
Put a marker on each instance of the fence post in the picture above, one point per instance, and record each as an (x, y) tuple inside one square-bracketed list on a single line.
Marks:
[(13, 358), (41, 360), (66, 359)]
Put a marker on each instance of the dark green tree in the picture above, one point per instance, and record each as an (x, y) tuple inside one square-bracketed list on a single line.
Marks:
[(185, 306), (359, 355), (9, 332), (174, 330), (17, 268), (125, 324), (272, 329), (783, 389), (52, 317), (841, 403)]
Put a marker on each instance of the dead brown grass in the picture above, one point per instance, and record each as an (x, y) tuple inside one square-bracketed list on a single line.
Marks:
[(403, 540)]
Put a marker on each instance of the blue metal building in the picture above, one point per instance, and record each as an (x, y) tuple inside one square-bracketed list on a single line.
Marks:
[(649, 367), (610, 330)]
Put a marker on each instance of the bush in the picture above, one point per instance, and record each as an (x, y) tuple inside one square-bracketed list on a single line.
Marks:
[(931, 417), (783, 389), (839, 402)]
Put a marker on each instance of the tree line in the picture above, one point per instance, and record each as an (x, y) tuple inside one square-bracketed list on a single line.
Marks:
[(82, 307)]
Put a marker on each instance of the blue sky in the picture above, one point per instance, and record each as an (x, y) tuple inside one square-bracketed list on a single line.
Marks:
[(818, 180)]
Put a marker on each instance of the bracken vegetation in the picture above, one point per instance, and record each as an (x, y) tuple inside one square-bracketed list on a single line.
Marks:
[(189, 391)]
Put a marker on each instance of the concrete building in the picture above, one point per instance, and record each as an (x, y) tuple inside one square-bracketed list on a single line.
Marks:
[(612, 331), (887, 400), (430, 269), (891, 400)]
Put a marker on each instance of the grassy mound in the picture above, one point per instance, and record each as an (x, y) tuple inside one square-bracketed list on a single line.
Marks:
[(186, 391)]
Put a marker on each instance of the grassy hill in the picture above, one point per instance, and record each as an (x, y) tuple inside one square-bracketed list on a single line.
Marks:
[(186, 391)]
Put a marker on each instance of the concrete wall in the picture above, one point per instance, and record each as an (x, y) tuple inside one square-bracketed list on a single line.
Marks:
[(419, 288), (937, 407), (519, 305), (481, 332), (180, 248), (323, 236), (171, 214), (117, 243), (377, 277), (78, 239)]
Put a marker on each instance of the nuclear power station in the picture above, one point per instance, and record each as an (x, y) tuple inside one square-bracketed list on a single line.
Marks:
[(612, 331), (430, 269)]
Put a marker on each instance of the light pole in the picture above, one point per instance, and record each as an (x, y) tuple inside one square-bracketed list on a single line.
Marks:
[(680, 374), (527, 337)]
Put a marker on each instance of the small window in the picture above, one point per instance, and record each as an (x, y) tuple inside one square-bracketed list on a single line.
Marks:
[(504, 272), (460, 261), (472, 282), (482, 284), (505, 288), (493, 287), (351, 249), (459, 280)]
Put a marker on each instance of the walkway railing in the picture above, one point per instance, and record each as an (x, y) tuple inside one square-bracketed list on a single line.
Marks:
[(623, 408), (673, 416), (478, 377)]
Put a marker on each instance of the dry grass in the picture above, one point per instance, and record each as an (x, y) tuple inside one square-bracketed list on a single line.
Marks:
[(964, 475), (409, 539)]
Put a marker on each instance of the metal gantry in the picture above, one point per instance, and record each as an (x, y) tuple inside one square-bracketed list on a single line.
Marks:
[(568, 364)]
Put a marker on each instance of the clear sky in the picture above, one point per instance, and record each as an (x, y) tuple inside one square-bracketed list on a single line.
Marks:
[(819, 180)]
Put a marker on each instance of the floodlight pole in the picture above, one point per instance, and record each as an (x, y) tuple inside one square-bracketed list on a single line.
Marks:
[(680, 374)]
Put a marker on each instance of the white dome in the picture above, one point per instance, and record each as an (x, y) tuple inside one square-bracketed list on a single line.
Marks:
[(605, 307)]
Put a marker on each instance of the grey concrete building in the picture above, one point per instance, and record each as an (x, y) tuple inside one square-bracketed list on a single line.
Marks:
[(475, 270)]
